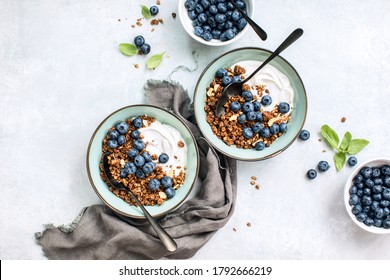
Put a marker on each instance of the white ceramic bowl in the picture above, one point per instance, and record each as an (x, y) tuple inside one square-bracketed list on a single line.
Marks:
[(187, 25), (371, 163)]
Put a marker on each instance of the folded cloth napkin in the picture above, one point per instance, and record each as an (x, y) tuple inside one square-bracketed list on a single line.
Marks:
[(98, 233)]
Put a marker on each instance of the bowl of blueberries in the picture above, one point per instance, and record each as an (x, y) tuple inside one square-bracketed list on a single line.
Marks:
[(214, 22), (367, 196)]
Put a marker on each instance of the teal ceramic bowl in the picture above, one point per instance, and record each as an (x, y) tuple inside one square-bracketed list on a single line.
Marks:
[(94, 155), (298, 115)]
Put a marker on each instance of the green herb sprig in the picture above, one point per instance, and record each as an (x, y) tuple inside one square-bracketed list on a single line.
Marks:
[(145, 12), (128, 49), (155, 60), (347, 145)]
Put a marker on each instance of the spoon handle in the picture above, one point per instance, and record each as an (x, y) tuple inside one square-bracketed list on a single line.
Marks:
[(165, 238), (262, 34), (286, 43)]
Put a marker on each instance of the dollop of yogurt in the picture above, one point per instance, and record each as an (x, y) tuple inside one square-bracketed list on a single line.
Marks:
[(163, 138), (276, 82)]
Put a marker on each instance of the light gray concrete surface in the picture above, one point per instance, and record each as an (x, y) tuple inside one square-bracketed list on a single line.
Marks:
[(61, 74)]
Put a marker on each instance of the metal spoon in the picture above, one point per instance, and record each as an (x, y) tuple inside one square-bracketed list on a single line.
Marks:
[(165, 238), (236, 87), (262, 34)]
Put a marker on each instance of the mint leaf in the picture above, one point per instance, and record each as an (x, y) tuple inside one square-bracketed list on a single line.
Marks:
[(145, 12), (128, 49), (155, 60), (330, 136), (356, 146), (346, 140), (339, 160)]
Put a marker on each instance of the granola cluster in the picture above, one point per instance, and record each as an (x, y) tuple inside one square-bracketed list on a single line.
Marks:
[(139, 185), (228, 127)]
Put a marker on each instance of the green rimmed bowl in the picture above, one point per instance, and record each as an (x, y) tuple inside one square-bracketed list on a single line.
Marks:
[(94, 155), (298, 115)]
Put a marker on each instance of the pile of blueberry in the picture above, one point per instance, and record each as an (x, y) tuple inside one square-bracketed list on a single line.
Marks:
[(139, 42), (216, 19), (140, 164), (370, 196)]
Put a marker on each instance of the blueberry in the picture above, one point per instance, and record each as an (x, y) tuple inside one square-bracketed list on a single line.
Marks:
[(241, 23), (359, 193), (228, 24), (384, 203), (259, 146), (112, 144), (190, 5), (367, 210), (378, 222), (154, 184), (122, 127), (113, 134), (247, 107), (377, 188), (386, 194), (235, 106), (145, 48), (366, 172), (282, 127), (379, 213), (311, 174), (367, 191), (167, 182), (360, 185), (213, 10), (121, 140), (139, 173), (222, 8), (207, 28), (236, 15), (357, 209), (207, 36), (361, 217), (241, 4), (369, 222), (154, 10), (123, 173), (283, 107), (352, 161), (226, 80), (205, 3), (259, 116), (146, 156), (130, 167), (353, 190), (221, 27), (324, 166), (202, 17), (198, 31), (377, 197), (139, 144), (256, 105), (148, 168), (266, 100), (236, 79), (192, 15), (133, 153), (139, 161), (265, 133), (376, 172), (220, 18), (304, 135), (257, 127), (215, 33), (248, 96), (386, 210), (137, 122), (274, 129), (229, 34), (135, 134), (213, 24), (170, 192), (251, 116), (369, 183), (163, 158), (247, 132), (386, 223), (199, 8), (386, 181), (229, 6), (374, 205), (222, 72), (241, 119), (366, 200), (235, 30), (139, 41), (358, 178), (385, 170), (353, 200), (223, 37), (153, 164)]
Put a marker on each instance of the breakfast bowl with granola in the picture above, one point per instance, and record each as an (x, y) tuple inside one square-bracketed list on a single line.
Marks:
[(150, 151), (261, 120)]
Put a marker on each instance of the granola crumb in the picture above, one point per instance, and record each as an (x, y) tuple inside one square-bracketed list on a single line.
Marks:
[(254, 178), (323, 151), (248, 224), (257, 187), (180, 144), (158, 2), (133, 25), (136, 65), (234, 229), (161, 20), (119, 19), (139, 23), (319, 140), (253, 182), (152, 30), (174, 15), (343, 119), (154, 22)]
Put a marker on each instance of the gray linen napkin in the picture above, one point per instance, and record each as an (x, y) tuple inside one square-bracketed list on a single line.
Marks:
[(98, 233)]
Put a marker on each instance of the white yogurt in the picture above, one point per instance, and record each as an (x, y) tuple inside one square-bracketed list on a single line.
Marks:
[(162, 138), (276, 82)]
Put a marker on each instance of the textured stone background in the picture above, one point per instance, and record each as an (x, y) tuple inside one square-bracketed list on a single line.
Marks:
[(61, 74)]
